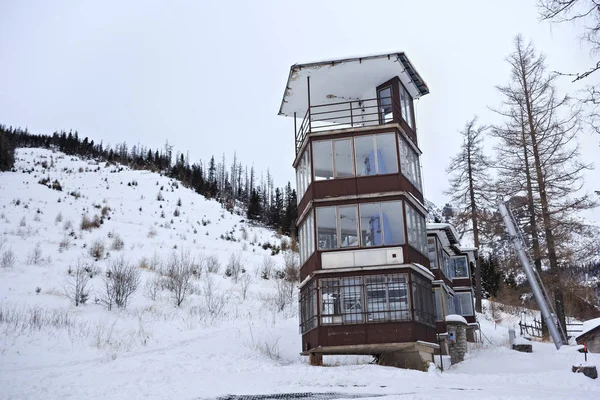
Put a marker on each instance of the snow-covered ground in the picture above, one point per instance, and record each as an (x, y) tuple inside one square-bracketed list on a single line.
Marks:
[(217, 342)]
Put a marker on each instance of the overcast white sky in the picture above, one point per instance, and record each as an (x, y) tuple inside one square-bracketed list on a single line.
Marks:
[(209, 75)]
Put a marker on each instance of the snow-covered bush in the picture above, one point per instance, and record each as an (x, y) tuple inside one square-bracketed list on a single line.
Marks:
[(117, 243), (245, 282), (120, 282), (35, 256), (235, 266), (8, 259), (267, 267), (291, 266), (76, 285), (179, 272), (213, 265), (214, 300), (96, 249)]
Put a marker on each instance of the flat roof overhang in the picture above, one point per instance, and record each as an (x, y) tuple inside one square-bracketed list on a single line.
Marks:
[(335, 81)]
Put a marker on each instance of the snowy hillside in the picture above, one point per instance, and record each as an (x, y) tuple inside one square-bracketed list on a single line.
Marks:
[(236, 330)]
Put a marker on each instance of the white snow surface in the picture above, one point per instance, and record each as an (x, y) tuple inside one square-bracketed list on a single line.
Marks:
[(154, 350), (456, 318), (589, 325)]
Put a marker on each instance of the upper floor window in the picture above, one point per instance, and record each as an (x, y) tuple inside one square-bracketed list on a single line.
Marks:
[(384, 96), (306, 237), (459, 266), (463, 303), (369, 224), (405, 106), (410, 165), (303, 174), (376, 154), (432, 250), (417, 232)]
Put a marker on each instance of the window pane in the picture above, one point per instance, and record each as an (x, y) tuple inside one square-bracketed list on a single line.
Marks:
[(387, 162), (450, 304), (326, 228), (348, 226), (370, 225), (439, 309), (365, 156), (431, 248), (330, 301), (464, 303), (343, 158), (385, 104), (398, 297), (460, 267), (393, 223), (376, 298), (323, 159), (352, 301), (405, 102)]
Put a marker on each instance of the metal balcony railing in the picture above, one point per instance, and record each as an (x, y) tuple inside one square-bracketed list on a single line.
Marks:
[(347, 114)]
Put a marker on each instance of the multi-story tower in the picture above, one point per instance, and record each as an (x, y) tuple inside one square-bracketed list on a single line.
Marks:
[(365, 279)]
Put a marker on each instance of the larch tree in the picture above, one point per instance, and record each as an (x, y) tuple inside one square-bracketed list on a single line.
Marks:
[(550, 153), (468, 187)]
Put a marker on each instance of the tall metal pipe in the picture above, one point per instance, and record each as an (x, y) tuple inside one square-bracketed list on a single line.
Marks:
[(524, 259)]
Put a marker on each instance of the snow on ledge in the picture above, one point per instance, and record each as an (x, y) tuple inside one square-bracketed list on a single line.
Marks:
[(455, 318)]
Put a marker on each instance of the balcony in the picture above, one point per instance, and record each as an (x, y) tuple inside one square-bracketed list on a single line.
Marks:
[(349, 114)]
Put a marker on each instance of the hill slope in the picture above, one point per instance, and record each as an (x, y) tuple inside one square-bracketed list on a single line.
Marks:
[(228, 336)]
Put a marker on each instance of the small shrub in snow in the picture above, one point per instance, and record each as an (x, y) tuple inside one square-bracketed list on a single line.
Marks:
[(235, 266), (96, 249), (245, 282), (267, 267), (291, 266), (38, 290), (213, 265), (65, 244), (120, 282), (153, 287), (176, 213), (285, 244), (88, 224), (56, 185), (35, 256), (152, 232), (159, 196), (23, 222), (8, 259), (59, 218), (68, 225), (117, 243), (179, 272), (75, 194), (104, 211), (179, 202), (214, 300), (244, 232), (76, 285)]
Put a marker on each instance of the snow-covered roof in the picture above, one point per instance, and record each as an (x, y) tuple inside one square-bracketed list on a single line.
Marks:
[(589, 325), (456, 318), (448, 229), (344, 79)]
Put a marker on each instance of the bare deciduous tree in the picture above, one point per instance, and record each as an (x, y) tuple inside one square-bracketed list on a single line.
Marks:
[(76, 285), (120, 282), (179, 272)]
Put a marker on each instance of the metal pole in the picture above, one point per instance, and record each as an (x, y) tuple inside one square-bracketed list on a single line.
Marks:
[(309, 116), (537, 291)]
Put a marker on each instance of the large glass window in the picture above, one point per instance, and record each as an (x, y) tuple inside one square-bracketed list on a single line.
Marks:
[(337, 222), (344, 164), (460, 267), (450, 309), (432, 251), (385, 104), (417, 232), (326, 228), (405, 105), (409, 161), (323, 159), (308, 307), (375, 154), (439, 304), (371, 298), (306, 238), (423, 300), (303, 174), (447, 265), (381, 223), (463, 303), (348, 226)]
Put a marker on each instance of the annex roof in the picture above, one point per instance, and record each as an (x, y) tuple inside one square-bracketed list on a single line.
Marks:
[(334, 81)]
